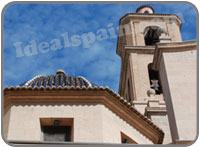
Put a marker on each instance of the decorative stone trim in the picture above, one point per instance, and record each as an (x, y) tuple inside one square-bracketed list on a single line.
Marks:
[(150, 15), (155, 111)]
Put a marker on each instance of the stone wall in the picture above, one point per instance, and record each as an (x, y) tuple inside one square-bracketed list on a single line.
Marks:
[(178, 71), (92, 123)]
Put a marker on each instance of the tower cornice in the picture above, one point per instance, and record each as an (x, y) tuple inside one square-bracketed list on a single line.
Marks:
[(143, 16)]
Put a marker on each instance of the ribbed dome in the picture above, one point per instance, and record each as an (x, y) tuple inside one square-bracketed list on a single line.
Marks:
[(60, 79)]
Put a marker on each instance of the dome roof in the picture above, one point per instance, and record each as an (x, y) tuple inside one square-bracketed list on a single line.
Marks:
[(145, 8), (60, 79)]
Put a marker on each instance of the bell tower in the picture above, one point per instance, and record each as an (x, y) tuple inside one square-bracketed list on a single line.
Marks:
[(140, 84), (138, 35)]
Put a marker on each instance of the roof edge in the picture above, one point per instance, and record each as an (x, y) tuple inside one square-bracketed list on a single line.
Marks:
[(107, 89)]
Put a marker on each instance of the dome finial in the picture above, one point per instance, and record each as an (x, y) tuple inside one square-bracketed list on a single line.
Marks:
[(60, 71)]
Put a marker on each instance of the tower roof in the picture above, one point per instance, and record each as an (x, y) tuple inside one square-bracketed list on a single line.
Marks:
[(60, 79), (139, 9)]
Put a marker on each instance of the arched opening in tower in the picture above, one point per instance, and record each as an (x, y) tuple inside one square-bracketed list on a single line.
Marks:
[(154, 80), (152, 35)]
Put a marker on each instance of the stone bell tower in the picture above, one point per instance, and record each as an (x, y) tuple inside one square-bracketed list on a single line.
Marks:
[(139, 83), (138, 34)]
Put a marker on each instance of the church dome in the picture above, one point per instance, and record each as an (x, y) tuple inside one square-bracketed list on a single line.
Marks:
[(60, 79)]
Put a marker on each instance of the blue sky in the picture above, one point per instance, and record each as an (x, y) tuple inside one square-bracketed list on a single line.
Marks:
[(99, 62)]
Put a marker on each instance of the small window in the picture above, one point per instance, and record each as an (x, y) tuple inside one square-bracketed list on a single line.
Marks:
[(127, 140), (57, 129), (56, 133), (146, 11)]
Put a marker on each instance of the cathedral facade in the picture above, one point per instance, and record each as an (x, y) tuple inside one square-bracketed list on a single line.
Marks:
[(156, 103)]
